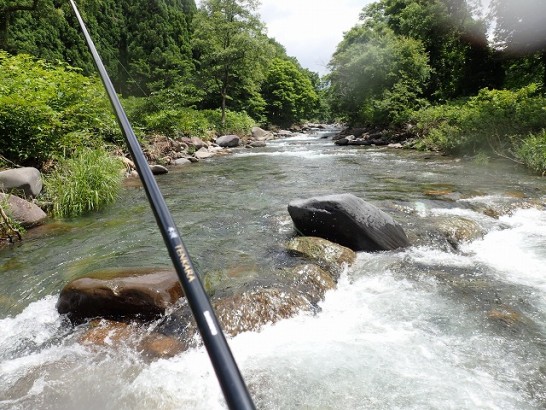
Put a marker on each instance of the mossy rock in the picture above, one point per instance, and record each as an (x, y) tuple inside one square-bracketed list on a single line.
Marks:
[(326, 254)]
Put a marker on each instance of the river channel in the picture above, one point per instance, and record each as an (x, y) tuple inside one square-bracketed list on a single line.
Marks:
[(433, 326)]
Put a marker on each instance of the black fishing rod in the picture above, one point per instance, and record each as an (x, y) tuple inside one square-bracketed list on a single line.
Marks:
[(227, 372)]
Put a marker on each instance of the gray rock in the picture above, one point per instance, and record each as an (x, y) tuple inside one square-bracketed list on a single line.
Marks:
[(197, 142), (228, 141), (203, 153), (284, 133), (257, 144), (26, 180), (120, 293), (349, 221), (182, 161), (158, 169), (24, 212), (260, 134)]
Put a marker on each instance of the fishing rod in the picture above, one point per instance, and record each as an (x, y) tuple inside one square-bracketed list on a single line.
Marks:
[(227, 372)]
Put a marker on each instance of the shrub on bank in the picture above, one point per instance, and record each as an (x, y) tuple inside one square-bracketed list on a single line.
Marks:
[(88, 181), (47, 111), (494, 120), (196, 123), (532, 152)]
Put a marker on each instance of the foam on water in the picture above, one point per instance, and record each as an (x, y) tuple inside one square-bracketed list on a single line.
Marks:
[(517, 252)]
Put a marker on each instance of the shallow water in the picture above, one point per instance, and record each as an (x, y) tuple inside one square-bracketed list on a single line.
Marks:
[(427, 327)]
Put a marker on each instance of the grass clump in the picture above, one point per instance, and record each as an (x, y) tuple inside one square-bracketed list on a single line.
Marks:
[(532, 152), (88, 181)]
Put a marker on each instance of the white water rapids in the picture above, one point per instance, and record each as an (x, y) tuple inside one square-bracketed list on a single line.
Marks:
[(410, 329)]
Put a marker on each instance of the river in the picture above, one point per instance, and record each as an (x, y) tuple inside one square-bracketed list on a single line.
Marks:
[(427, 327)]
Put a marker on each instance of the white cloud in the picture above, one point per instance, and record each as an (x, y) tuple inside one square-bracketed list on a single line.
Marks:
[(310, 29)]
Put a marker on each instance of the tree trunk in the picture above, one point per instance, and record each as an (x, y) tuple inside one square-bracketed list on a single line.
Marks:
[(223, 121)]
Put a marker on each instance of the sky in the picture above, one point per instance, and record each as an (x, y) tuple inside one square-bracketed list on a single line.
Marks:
[(310, 29)]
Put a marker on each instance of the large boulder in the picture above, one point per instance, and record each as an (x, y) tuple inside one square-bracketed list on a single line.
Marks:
[(27, 181), (228, 141), (349, 221), (144, 293), (260, 134), (24, 212)]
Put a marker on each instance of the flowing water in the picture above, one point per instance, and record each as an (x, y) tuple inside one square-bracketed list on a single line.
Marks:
[(428, 327)]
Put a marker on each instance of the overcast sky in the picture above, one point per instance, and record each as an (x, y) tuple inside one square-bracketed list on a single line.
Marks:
[(310, 29)]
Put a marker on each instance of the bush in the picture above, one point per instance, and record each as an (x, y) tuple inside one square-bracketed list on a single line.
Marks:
[(194, 123), (494, 120), (239, 123), (532, 152), (178, 123), (47, 111), (86, 182)]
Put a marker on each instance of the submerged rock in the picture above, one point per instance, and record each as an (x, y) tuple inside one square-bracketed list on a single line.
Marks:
[(118, 334), (349, 221), (330, 256), (459, 229), (311, 281), (146, 293), (250, 310)]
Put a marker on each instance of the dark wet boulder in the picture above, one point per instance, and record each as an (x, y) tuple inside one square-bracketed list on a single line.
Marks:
[(158, 169), (144, 293), (24, 212), (25, 181), (349, 221), (330, 256), (228, 141)]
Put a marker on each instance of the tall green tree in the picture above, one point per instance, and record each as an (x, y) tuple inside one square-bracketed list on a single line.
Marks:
[(8, 8), (454, 40), (289, 93), (231, 52), (376, 76), (145, 45), (520, 32)]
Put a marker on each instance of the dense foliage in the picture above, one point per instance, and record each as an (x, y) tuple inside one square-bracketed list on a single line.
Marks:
[(495, 120), (46, 111), (405, 52), (289, 93), (145, 45), (428, 63)]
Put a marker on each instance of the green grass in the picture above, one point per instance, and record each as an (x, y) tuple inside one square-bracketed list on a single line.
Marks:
[(88, 181)]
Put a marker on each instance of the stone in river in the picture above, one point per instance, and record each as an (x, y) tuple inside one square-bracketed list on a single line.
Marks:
[(144, 293), (349, 221)]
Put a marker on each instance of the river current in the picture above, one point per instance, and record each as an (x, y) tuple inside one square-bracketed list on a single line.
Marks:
[(428, 327)]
